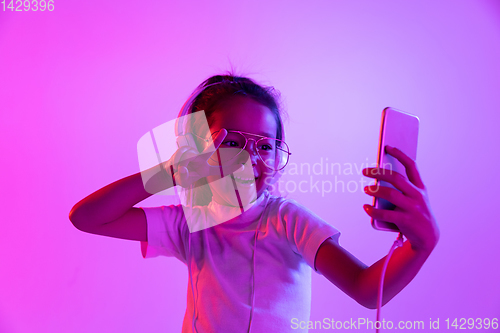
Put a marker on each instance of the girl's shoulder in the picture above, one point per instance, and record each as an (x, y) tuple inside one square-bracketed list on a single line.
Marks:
[(288, 208)]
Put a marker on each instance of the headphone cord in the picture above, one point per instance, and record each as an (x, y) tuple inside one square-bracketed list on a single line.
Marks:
[(397, 242), (253, 270), (193, 327)]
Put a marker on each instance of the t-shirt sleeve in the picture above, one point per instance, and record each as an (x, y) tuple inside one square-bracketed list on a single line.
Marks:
[(305, 230), (166, 226)]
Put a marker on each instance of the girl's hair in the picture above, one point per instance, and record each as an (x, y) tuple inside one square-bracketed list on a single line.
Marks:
[(218, 88)]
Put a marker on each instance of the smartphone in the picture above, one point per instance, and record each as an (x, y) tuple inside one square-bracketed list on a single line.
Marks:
[(398, 129)]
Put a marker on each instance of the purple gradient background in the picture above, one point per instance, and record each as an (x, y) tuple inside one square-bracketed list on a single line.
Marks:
[(80, 85)]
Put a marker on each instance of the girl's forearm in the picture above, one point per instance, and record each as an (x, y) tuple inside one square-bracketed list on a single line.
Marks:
[(403, 266), (113, 200)]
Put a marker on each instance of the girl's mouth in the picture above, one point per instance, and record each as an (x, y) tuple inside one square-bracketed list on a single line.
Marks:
[(245, 180)]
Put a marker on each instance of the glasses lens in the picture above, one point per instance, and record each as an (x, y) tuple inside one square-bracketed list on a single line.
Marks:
[(273, 152), (229, 148)]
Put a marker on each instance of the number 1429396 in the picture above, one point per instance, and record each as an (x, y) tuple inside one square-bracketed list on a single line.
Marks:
[(27, 5)]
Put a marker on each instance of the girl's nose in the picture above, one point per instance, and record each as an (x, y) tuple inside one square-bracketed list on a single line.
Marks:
[(251, 147), (248, 153)]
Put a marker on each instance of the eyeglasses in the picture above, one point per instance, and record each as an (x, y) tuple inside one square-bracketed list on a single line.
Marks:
[(273, 152)]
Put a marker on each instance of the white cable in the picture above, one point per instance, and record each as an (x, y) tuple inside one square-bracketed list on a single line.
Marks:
[(397, 242), (253, 271), (193, 327)]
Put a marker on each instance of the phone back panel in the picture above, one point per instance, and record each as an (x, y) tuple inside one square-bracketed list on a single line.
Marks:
[(398, 129)]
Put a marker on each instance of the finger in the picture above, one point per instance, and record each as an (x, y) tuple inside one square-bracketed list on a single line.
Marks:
[(394, 196), (394, 178), (217, 141), (409, 164), (242, 163), (207, 153), (385, 215), (219, 138), (181, 175), (186, 159), (179, 155), (174, 160), (185, 156)]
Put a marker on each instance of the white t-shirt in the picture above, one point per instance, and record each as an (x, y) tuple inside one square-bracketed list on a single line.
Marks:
[(221, 262)]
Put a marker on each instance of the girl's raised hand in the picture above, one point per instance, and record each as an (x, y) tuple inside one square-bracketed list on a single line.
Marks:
[(190, 166), (412, 214)]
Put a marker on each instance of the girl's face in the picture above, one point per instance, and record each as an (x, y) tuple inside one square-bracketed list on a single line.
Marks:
[(240, 113)]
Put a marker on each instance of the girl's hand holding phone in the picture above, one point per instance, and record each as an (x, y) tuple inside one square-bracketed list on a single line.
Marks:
[(412, 214)]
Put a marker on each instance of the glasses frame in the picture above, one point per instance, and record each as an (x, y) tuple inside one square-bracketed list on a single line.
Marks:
[(261, 137)]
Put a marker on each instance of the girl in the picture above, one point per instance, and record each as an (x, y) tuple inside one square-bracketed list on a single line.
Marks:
[(249, 253)]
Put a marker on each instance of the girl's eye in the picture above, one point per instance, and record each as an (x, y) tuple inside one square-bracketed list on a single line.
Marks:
[(266, 147), (230, 143)]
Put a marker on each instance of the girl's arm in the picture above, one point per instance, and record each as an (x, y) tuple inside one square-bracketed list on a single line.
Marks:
[(361, 282), (412, 216), (110, 212)]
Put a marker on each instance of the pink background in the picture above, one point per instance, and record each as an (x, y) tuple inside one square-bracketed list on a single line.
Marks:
[(80, 85)]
